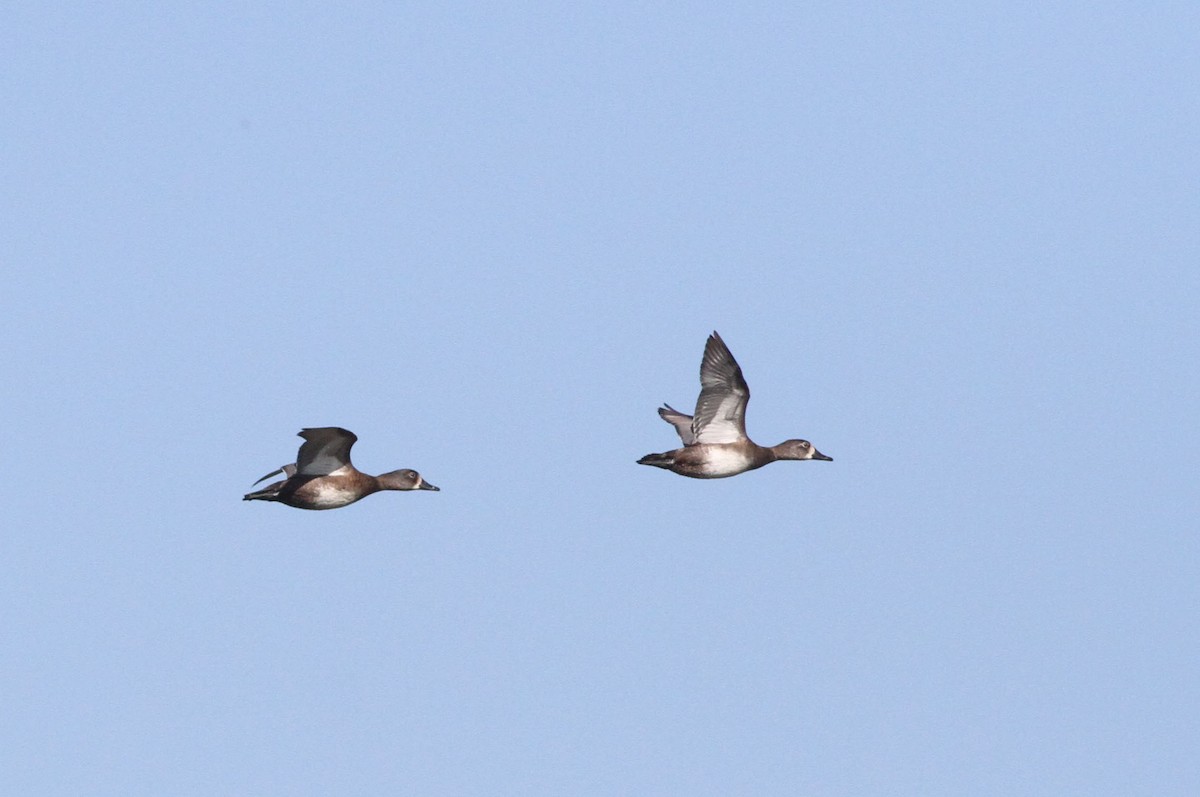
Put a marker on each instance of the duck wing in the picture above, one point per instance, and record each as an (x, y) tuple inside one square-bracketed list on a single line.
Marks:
[(324, 450), (721, 409), (681, 422), (288, 472)]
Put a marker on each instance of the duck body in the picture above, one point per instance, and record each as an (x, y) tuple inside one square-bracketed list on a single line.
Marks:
[(711, 461), (323, 477), (318, 492), (715, 444)]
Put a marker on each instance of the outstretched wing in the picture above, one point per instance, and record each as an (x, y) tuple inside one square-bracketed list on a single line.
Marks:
[(681, 422), (721, 409), (324, 451), (288, 472)]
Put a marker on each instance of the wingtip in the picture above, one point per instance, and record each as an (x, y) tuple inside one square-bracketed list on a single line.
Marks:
[(715, 342)]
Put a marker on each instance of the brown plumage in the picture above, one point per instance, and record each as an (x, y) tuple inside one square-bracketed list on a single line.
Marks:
[(324, 478), (715, 444)]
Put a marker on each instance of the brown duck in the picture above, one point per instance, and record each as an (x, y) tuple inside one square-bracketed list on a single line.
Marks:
[(323, 478), (715, 444)]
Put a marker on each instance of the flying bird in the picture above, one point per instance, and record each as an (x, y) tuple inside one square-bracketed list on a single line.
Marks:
[(715, 444), (323, 478)]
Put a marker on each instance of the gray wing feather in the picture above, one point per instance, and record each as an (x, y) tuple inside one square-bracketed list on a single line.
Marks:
[(681, 422), (721, 409), (324, 451), (288, 472)]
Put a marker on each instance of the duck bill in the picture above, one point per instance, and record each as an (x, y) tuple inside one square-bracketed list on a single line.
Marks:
[(819, 455), (424, 485)]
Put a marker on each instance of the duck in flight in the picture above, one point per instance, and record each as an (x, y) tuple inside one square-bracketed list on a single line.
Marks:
[(323, 478), (715, 444)]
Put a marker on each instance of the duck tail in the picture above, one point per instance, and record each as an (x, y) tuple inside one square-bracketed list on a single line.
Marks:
[(658, 460), (262, 495)]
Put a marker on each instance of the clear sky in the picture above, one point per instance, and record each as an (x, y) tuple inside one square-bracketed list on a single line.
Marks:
[(956, 245)]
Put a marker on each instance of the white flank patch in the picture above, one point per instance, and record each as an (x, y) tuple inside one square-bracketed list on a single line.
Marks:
[(725, 462), (331, 497)]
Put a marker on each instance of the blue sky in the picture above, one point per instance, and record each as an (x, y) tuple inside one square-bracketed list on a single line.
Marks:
[(954, 245)]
